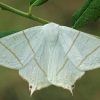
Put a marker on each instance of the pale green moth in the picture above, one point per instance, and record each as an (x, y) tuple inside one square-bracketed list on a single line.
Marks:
[(50, 54)]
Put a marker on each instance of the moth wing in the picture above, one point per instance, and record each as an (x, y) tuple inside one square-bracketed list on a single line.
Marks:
[(15, 49), (82, 49), (61, 71), (36, 67), (74, 53), (24, 51)]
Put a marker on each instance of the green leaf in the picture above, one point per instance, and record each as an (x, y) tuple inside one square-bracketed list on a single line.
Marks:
[(32, 1), (5, 33), (37, 2), (90, 11)]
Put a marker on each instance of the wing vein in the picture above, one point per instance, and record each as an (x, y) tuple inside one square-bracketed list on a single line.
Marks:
[(34, 53), (73, 43), (12, 53), (62, 67), (28, 42), (40, 66), (67, 53), (89, 55)]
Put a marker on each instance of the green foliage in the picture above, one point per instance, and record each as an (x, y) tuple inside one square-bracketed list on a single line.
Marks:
[(37, 2), (90, 11), (5, 33)]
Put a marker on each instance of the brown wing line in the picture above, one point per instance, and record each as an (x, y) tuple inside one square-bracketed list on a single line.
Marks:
[(33, 53), (12, 53), (67, 53), (88, 55)]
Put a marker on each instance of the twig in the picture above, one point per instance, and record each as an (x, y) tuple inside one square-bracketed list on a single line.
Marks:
[(18, 12)]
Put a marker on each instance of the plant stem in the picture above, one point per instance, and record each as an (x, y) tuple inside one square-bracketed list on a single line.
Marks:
[(18, 12)]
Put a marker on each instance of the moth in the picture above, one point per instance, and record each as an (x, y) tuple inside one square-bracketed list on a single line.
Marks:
[(50, 54)]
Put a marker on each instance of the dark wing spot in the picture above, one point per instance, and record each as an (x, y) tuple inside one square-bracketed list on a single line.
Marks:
[(73, 86), (30, 87)]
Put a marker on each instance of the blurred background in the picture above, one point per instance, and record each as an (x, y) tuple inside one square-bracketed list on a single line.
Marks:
[(12, 86)]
